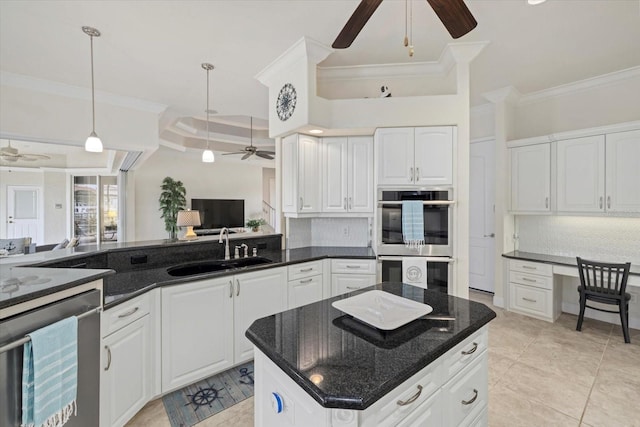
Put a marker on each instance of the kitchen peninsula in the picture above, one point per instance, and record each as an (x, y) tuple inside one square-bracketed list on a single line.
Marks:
[(316, 366)]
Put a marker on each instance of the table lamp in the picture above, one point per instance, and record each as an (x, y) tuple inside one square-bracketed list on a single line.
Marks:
[(188, 219)]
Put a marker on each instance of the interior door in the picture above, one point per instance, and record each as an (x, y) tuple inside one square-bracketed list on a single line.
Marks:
[(481, 216), (24, 213)]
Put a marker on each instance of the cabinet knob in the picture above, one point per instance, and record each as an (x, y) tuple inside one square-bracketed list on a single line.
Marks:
[(417, 177), (473, 399), (412, 398), (411, 175), (490, 235), (608, 202), (600, 202), (106, 347), (546, 202)]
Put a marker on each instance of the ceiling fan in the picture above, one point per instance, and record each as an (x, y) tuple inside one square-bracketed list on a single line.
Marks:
[(11, 154), (251, 150), (454, 14)]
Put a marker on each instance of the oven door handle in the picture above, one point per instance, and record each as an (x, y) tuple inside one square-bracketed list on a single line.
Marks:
[(424, 202), (427, 258)]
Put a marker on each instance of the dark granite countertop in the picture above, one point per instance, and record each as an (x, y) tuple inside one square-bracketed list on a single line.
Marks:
[(20, 284), (360, 364), (557, 259), (124, 286)]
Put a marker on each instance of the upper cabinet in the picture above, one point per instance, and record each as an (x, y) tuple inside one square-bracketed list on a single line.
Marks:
[(415, 156), (623, 171), (347, 171), (300, 174), (580, 174), (531, 178)]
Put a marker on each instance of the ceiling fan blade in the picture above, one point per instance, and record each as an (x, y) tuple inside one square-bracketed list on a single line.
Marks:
[(246, 156), (268, 152), (455, 15), (355, 24), (263, 155), (236, 152), (32, 157)]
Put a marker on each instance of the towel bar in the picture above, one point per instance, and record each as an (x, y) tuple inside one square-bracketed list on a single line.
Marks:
[(21, 341), (425, 202)]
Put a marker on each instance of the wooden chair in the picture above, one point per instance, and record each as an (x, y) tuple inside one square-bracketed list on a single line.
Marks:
[(604, 283)]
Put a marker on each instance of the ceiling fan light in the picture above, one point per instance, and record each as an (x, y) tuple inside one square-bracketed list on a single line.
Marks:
[(316, 131), (534, 2), (93, 144), (207, 156)]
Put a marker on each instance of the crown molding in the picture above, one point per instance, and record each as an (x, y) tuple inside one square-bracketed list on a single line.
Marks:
[(507, 94), (487, 108), (580, 85), (69, 91)]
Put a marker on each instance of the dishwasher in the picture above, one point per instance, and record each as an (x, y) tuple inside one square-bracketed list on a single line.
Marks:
[(13, 331)]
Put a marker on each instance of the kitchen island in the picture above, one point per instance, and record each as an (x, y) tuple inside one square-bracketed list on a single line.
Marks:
[(317, 366)]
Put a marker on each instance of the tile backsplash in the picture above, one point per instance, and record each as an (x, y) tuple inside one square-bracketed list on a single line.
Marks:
[(328, 232), (598, 238)]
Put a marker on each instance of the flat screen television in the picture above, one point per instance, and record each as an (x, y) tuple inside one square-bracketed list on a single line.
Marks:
[(218, 213)]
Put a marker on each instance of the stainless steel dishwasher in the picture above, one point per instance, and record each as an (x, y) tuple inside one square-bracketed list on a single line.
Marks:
[(86, 307)]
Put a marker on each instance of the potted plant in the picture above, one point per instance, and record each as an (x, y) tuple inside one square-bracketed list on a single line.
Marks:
[(172, 199), (254, 224)]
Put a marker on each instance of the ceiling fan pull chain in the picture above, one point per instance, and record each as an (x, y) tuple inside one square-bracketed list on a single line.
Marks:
[(411, 29), (406, 39)]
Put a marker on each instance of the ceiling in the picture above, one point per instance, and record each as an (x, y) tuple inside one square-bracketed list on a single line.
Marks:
[(152, 50)]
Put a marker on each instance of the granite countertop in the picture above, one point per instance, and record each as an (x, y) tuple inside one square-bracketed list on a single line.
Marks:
[(557, 259), (124, 286), (360, 364), (20, 284)]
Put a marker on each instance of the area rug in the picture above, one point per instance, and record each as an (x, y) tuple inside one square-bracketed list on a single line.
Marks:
[(192, 404)]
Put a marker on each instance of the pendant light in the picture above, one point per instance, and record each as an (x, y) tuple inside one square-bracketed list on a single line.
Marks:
[(93, 143), (207, 155)]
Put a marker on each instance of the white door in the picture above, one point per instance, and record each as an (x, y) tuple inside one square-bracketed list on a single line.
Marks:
[(334, 174), (580, 182), (434, 155), (290, 174), (531, 178), (24, 213), (481, 216), (360, 194), (395, 156), (623, 171), (309, 174)]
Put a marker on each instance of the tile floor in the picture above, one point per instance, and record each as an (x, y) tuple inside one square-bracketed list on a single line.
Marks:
[(540, 374)]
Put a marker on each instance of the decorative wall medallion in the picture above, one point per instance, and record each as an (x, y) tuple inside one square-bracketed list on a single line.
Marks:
[(286, 103), (414, 273)]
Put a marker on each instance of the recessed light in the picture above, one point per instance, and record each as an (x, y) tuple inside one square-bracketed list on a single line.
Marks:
[(316, 131)]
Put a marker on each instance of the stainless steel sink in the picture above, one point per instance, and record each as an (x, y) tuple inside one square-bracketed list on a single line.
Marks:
[(203, 267)]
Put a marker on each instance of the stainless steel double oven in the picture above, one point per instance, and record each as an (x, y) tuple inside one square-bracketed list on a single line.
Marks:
[(438, 235)]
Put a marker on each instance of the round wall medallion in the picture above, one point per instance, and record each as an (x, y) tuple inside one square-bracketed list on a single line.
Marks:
[(286, 103), (414, 273)]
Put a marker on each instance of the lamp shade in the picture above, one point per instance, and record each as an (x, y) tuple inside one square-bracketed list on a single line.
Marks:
[(93, 144), (188, 218), (207, 156)]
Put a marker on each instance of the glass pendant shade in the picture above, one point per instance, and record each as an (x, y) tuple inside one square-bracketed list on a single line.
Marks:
[(93, 143), (207, 156)]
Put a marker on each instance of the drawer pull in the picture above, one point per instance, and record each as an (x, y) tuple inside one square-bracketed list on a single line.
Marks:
[(473, 399), (473, 350), (128, 313), (306, 280), (526, 279), (353, 288), (353, 266), (412, 398), (304, 270), (230, 288), (238, 290), (528, 267), (530, 299), (106, 347)]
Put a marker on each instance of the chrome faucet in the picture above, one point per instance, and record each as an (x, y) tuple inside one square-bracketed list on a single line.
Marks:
[(226, 246), (246, 250)]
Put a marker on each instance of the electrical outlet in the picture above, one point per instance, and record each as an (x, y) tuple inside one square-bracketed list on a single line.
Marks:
[(345, 231)]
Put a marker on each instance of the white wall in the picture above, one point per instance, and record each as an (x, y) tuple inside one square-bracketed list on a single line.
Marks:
[(224, 179), (55, 219)]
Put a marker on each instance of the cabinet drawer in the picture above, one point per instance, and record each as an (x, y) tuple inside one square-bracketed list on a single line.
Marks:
[(465, 353), (125, 313), (344, 283), (306, 269), (304, 291), (530, 267), (530, 300), (531, 280), (353, 266), (390, 412), (466, 395), (428, 413)]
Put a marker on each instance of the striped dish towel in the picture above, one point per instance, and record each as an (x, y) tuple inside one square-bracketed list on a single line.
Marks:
[(412, 223), (50, 375)]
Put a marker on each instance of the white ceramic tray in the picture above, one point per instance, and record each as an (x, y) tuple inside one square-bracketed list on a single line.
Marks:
[(382, 310)]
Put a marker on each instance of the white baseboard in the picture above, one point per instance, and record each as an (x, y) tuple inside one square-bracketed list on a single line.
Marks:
[(498, 301), (567, 307)]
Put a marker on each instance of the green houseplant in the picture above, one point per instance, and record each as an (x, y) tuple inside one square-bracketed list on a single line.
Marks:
[(254, 224), (172, 199)]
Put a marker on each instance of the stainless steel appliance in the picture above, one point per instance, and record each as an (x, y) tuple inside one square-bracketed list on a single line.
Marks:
[(86, 307), (437, 215), (438, 271)]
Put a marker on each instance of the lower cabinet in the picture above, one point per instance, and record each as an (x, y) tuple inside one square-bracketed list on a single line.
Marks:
[(203, 322), (348, 275), (305, 283), (531, 290), (126, 377)]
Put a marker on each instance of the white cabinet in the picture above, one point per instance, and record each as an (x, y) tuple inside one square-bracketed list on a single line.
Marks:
[(300, 174), (126, 377), (531, 178), (347, 171), (348, 275), (531, 290), (581, 174), (257, 294), (197, 330), (305, 283), (415, 156), (623, 171)]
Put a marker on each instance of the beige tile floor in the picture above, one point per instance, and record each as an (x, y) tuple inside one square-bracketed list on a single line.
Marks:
[(540, 374)]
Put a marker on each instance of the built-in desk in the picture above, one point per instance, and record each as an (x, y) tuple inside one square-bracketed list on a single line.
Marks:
[(535, 285)]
